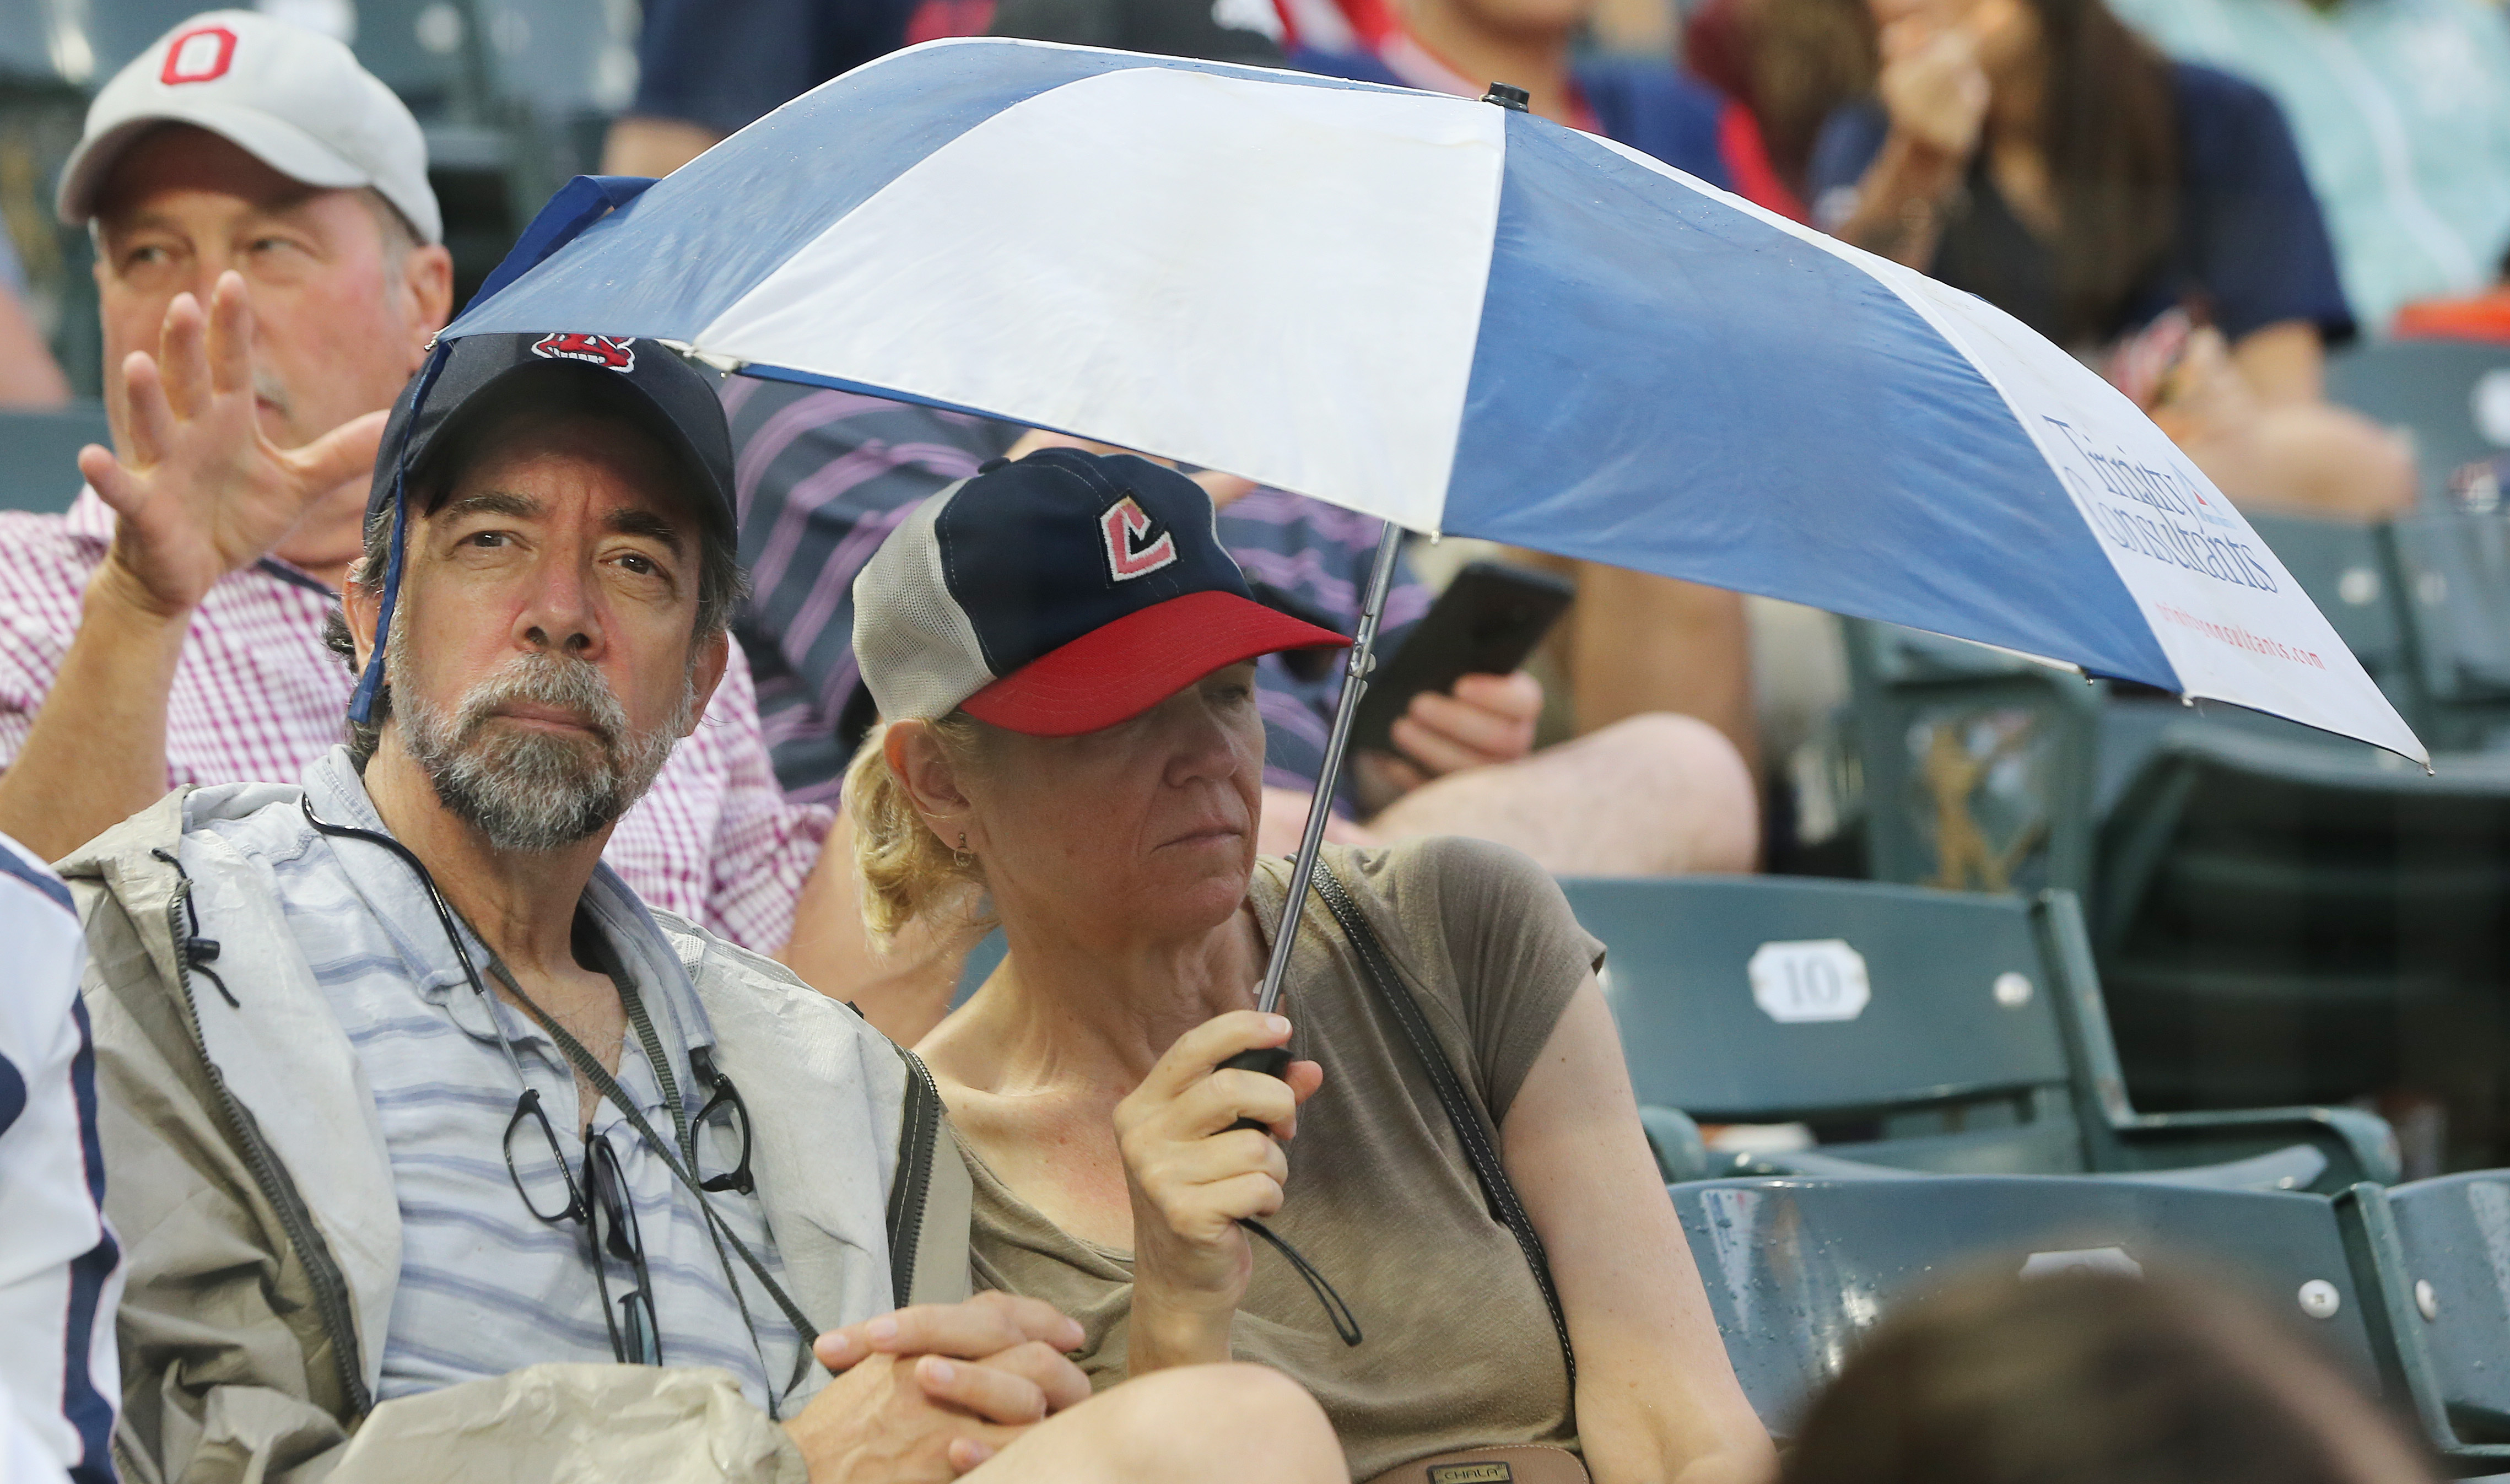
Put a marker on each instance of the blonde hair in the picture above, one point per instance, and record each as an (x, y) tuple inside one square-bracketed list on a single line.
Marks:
[(902, 866)]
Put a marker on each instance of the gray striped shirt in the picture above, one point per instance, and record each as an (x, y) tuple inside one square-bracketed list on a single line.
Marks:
[(486, 1286)]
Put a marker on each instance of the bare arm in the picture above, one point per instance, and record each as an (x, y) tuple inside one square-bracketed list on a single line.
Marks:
[(1900, 203), (1936, 93), (2252, 417), (1656, 1398), (205, 493), (643, 145), (1639, 642)]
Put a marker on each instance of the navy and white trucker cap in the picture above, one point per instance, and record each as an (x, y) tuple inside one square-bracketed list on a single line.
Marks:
[(1056, 595)]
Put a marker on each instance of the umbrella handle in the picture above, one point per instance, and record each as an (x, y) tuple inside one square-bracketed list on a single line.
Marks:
[(1271, 1061)]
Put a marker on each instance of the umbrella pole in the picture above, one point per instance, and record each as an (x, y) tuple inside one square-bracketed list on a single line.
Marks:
[(1354, 682)]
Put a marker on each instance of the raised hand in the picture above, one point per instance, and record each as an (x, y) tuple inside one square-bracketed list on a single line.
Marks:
[(1193, 1177), (1933, 85), (205, 492)]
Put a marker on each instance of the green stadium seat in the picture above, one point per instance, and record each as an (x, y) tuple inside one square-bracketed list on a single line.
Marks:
[(39, 454), (2454, 570), (2287, 920), (2348, 569), (2021, 761), (2455, 1235), (1912, 1029), (1797, 1270), (982, 959), (2448, 394), (1976, 765)]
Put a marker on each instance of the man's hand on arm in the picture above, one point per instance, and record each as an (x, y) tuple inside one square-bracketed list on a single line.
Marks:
[(203, 493), (932, 1392)]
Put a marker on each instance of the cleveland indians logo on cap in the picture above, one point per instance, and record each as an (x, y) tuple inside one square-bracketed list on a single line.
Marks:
[(616, 353), (200, 55), (1125, 526)]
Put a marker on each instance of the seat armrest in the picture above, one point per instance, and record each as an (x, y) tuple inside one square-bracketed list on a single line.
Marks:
[(2359, 1146), (1811, 1165), (1681, 1154)]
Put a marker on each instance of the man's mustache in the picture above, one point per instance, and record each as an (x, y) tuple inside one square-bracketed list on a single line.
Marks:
[(559, 682)]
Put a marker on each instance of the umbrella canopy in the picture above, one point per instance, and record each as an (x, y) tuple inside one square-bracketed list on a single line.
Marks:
[(1459, 318)]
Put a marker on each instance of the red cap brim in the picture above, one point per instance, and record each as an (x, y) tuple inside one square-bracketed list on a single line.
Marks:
[(1117, 671)]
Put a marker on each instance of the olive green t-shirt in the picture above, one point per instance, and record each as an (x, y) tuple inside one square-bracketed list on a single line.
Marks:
[(1458, 1349)]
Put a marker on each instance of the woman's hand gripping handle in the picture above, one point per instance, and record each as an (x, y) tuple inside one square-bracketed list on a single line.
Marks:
[(1200, 1138)]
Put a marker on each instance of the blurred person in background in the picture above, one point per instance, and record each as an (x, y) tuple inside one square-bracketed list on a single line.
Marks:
[(825, 476), (60, 1266), (2402, 112), (30, 378), (269, 275), (706, 70), (2042, 156), (2092, 1378), (1789, 61), (1633, 644)]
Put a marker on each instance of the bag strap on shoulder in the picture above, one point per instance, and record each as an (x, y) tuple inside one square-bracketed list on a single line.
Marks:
[(1472, 1122)]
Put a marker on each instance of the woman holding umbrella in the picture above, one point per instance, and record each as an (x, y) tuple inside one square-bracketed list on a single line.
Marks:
[(1063, 655)]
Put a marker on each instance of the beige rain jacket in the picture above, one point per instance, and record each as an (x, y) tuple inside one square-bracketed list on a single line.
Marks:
[(248, 1177)]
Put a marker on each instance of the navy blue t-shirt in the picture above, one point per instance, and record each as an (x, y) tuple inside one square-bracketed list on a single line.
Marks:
[(727, 65), (2250, 246), (1646, 105)]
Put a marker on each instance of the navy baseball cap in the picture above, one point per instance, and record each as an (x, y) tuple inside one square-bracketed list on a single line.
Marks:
[(477, 376), (1056, 595), (643, 381)]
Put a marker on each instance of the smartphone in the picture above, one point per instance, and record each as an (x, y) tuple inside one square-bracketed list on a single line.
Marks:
[(1486, 623)]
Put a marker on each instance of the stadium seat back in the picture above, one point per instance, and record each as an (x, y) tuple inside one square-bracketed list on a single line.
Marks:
[(2308, 919), (1976, 765), (2348, 571), (2453, 396), (2455, 566), (428, 52), (1798, 1271), (1771, 999), (2455, 1232), (109, 33), (39, 454)]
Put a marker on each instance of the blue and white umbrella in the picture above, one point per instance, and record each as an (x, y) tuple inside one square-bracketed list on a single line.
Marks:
[(1455, 316)]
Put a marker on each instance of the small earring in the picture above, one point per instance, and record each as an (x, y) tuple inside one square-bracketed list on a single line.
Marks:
[(960, 852)]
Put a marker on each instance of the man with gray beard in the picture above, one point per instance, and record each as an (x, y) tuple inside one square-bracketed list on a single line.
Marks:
[(439, 1154), (529, 791)]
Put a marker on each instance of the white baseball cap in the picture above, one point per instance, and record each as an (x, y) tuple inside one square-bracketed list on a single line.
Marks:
[(294, 99)]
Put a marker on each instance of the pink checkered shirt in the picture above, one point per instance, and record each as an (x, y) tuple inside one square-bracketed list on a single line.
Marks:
[(257, 698)]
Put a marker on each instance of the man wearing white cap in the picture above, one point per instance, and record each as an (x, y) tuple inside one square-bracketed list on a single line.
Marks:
[(270, 272)]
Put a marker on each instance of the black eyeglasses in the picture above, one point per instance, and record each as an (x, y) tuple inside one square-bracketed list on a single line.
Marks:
[(727, 1102), (602, 1204)]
